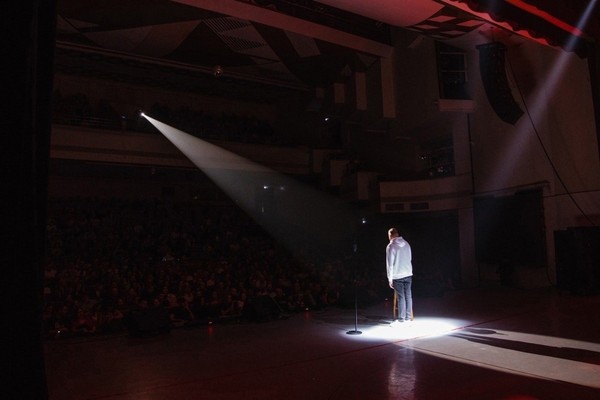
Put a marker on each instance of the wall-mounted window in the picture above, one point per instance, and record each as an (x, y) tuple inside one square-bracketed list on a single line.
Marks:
[(438, 157), (452, 72)]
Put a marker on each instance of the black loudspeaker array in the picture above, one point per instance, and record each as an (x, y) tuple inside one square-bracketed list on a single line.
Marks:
[(493, 74)]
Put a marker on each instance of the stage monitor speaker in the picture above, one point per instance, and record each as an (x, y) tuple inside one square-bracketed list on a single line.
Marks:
[(261, 308), (151, 321), (495, 82)]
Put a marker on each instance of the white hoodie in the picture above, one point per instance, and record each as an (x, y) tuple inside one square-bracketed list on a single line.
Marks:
[(398, 259)]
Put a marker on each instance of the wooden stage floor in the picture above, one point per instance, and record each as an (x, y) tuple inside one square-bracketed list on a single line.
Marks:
[(494, 343)]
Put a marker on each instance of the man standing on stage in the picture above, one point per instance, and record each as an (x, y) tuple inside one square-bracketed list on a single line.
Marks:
[(399, 273)]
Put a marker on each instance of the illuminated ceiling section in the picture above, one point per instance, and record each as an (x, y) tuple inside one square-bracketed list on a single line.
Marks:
[(527, 20), (449, 19)]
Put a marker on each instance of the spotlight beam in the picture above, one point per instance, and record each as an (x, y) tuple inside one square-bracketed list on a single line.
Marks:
[(516, 153), (303, 219)]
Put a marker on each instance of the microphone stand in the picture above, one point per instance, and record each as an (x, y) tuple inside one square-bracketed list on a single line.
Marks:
[(355, 331)]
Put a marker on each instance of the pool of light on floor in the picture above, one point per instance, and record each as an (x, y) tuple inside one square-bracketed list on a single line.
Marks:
[(421, 327)]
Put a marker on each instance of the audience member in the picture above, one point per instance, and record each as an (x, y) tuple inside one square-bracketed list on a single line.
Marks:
[(114, 264)]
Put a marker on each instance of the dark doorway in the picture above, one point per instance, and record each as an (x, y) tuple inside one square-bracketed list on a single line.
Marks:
[(510, 229)]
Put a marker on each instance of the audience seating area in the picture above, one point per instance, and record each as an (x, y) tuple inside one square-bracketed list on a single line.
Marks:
[(147, 266)]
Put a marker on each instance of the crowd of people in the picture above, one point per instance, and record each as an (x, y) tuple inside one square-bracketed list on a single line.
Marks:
[(206, 125), (77, 109), (113, 264)]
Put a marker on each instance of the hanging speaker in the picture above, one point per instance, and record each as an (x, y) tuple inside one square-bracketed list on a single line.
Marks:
[(495, 82)]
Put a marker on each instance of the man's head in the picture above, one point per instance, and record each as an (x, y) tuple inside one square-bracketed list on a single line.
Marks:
[(392, 233)]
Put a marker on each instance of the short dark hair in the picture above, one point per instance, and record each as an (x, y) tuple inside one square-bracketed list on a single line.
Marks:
[(393, 232)]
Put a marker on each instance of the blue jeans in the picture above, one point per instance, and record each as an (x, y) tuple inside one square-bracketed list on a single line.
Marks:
[(403, 288)]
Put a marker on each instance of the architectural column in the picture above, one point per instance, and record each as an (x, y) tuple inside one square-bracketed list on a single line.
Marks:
[(466, 221)]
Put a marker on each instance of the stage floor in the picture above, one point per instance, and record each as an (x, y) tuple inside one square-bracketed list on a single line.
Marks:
[(493, 343)]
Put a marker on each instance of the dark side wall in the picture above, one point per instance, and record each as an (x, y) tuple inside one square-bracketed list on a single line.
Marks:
[(27, 41)]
